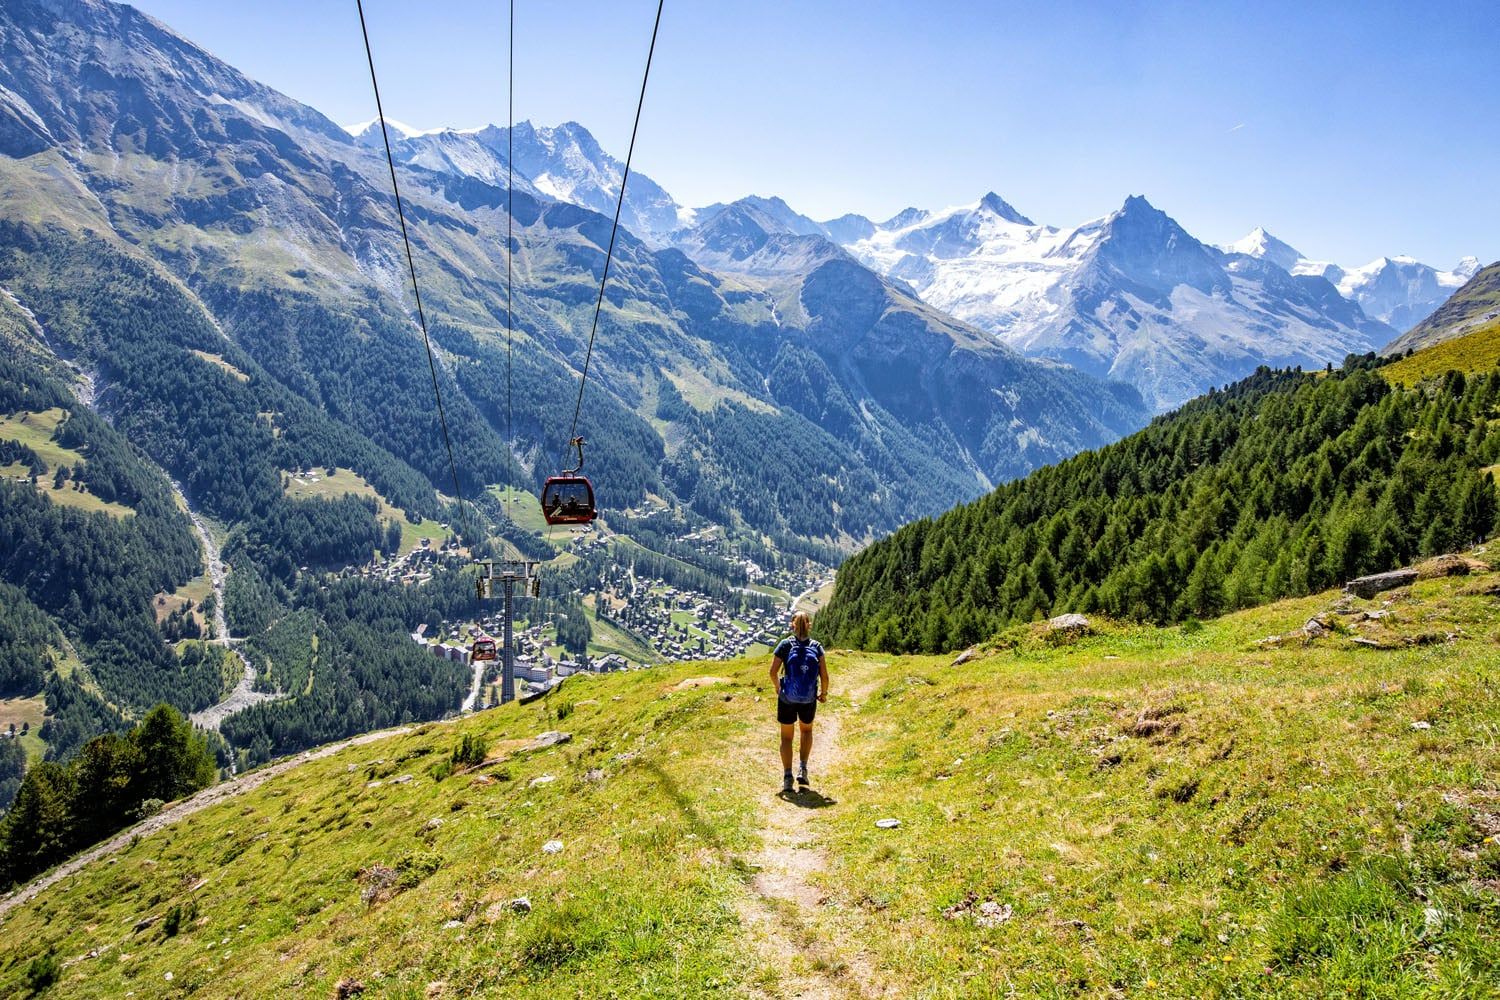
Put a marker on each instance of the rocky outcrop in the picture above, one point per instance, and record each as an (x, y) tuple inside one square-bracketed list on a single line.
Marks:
[(1368, 586)]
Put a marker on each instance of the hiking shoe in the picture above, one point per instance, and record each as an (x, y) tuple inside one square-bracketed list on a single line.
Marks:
[(802, 775), (786, 782)]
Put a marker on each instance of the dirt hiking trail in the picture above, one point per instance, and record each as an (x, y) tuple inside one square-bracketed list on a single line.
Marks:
[(781, 911)]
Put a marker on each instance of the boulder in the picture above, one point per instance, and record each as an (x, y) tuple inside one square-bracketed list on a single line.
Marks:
[(1072, 624), (1368, 586)]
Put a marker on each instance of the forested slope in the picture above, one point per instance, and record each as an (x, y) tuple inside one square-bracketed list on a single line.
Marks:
[(93, 572), (1283, 484)]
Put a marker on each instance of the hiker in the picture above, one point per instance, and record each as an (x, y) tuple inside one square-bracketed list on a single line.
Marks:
[(799, 672)]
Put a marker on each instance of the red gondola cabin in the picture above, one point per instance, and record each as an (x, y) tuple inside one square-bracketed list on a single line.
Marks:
[(484, 649), (568, 500)]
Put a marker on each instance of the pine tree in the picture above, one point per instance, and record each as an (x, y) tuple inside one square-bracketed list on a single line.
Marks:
[(37, 832), (174, 758)]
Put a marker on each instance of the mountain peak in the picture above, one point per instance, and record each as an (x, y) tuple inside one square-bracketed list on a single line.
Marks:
[(906, 217), (367, 133), (1263, 246), (992, 202), (1137, 205)]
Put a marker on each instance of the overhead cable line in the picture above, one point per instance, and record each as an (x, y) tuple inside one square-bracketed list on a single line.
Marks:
[(390, 160), (609, 254), (510, 216)]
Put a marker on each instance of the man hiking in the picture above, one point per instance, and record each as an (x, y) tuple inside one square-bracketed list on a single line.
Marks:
[(799, 673)]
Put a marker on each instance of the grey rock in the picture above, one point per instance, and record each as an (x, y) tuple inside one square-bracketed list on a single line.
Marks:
[(972, 653), (1369, 586), (1072, 622)]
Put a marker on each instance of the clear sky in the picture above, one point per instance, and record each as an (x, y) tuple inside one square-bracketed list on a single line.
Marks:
[(1350, 130)]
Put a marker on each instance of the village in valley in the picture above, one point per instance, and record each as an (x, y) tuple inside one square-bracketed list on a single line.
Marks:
[(635, 618)]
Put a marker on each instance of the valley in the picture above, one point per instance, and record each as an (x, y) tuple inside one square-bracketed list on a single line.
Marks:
[(1076, 509)]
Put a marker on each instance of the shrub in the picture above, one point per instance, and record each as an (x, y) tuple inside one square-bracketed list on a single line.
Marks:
[(471, 750), (42, 972)]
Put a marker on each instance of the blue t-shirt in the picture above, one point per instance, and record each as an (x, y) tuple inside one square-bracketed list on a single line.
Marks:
[(800, 670)]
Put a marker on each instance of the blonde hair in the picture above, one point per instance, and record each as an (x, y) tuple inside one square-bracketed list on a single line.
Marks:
[(801, 624)]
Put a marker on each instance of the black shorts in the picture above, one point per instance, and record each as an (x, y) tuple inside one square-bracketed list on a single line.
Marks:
[(788, 712)]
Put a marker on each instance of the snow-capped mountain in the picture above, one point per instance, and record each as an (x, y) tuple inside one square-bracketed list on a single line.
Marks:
[(1399, 291), (757, 236), (1263, 245), (773, 211), (565, 163), (449, 151), (1131, 296)]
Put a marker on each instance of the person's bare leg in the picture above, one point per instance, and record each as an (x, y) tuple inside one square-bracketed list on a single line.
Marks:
[(806, 747), (786, 748)]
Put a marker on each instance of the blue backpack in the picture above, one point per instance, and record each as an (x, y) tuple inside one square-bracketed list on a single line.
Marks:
[(799, 677)]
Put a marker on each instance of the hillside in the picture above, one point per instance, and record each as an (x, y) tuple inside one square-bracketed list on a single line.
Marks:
[(1474, 351), (1282, 484), (1475, 304), (1170, 812)]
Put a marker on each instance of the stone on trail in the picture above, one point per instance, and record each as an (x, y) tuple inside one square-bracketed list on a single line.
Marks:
[(988, 913), (992, 914), (1421, 724), (550, 738), (1316, 627), (521, 904), (887, 824), (552, 847), (541, 779), (1368, 586)]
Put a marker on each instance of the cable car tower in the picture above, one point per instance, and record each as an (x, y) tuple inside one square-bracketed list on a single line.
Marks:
[(507, 573)]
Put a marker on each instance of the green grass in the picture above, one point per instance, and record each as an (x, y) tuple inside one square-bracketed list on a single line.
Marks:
[(1473, 352), (703, 394), (818, 599), (31, 710), (524, 507), (346, 482), (34, 429), (609, 639), (195, 590), (1283, 831), (218, 361), (638, 903), (776, 592), (1283, 835)]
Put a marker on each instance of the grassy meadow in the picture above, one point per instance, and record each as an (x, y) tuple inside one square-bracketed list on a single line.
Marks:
[(1152, 812)]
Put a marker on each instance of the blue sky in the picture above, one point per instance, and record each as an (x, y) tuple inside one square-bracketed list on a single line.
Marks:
[(1349, 130)]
